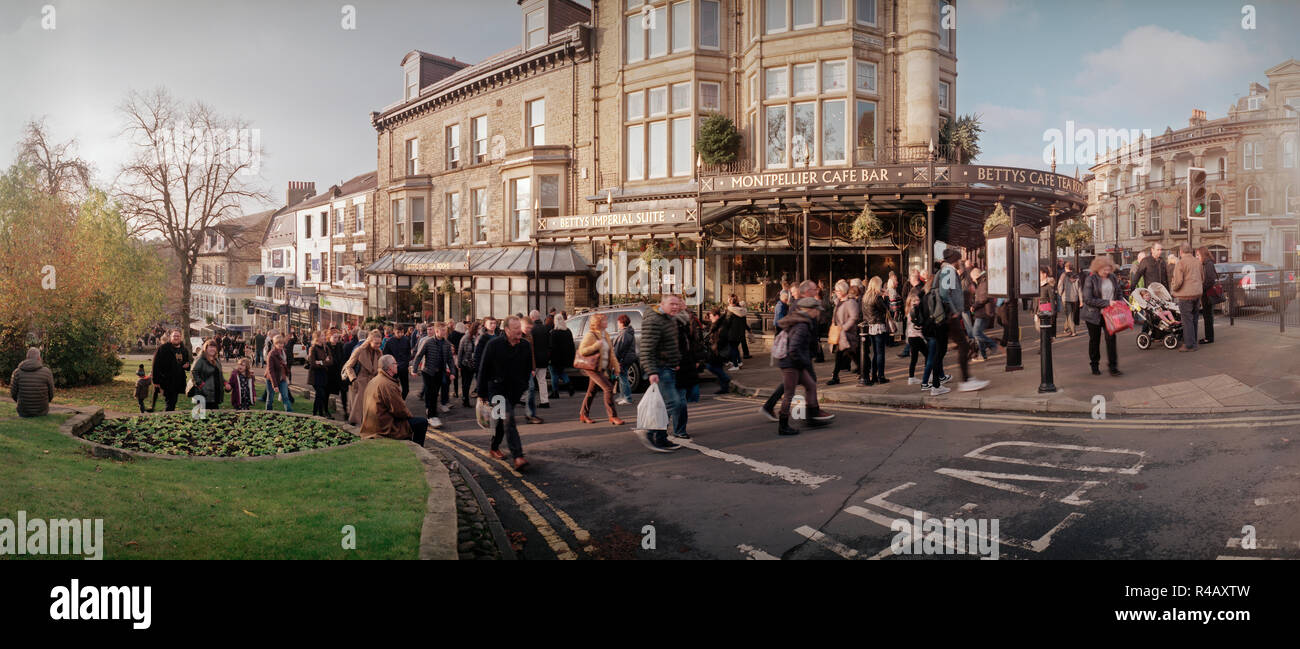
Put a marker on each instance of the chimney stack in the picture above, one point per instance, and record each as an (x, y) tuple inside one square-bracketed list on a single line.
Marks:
[(1197, 118), (299, 191)]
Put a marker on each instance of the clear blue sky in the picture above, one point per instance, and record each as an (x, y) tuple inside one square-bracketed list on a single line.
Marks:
[(309, 85)]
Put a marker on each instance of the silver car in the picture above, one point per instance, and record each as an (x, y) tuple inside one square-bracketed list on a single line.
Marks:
[(578, 325)]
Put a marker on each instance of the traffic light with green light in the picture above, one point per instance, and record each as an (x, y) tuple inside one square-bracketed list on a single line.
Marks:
[(1197, 205)]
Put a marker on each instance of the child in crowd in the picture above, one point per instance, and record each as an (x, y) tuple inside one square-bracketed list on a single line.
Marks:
[(915, 339), (242, 385), (142, 383)]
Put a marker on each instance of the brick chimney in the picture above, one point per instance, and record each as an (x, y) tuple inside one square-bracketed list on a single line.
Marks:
[(299, 191), (1197, 118)]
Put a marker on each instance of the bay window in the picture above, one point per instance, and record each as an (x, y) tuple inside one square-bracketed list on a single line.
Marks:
[(776, 117), (417, 222), (710, 24), (658, 150), (681, 26), (682, 146), (399, 223), (833, 130), (866, 131)]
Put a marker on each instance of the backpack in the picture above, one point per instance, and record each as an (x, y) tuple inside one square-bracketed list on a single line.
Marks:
[(934, 308), (781, 346)]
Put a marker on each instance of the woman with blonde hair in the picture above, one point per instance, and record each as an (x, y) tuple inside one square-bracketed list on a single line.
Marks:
[(362, 366), (875, 310), (1100, 290), (597, 354)]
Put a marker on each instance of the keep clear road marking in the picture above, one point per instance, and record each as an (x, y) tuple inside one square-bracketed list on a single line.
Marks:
[(979, 454), (827, 542), (793, 476)]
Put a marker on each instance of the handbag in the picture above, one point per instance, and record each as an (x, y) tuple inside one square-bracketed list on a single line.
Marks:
[(1118, 317), (591, 362), (834, 336), (1216, 293)]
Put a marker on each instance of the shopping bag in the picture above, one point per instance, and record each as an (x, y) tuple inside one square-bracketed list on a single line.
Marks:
[(483, 415), (651, 413), (833, 336), (1118, 317)]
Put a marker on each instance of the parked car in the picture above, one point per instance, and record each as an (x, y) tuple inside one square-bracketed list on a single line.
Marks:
[(1268, 286), (578, 325)]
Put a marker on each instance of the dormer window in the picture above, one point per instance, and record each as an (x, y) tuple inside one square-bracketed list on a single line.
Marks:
[(535, 29), (1254, 102), (412, 81)]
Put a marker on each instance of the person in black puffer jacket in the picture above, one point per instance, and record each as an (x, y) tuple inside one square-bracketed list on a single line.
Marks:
[(31, 386), (796, 365)]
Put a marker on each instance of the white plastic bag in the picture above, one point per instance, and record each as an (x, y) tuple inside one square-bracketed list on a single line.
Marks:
[(651, 413)]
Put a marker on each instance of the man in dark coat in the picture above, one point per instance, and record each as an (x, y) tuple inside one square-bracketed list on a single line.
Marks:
[(32, 386), (502, 381), (1152, 269), (171, 364), (399, 347)]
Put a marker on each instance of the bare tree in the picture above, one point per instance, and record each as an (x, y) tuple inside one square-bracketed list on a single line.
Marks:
[(190, 170), (59, 171)]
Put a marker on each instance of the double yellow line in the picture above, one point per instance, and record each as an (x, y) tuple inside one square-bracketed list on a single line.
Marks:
[(480, 458)]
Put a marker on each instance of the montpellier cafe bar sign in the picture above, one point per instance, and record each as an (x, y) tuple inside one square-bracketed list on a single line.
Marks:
[(892, 177)]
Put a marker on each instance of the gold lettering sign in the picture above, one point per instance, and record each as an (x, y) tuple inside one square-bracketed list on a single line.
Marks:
[(883, 177), (616, 219)]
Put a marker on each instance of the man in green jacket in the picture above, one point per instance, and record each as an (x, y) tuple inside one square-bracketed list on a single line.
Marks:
[(661, 358)]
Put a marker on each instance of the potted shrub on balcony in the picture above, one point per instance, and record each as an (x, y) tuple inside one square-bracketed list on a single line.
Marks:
[(248, 306), (719, 143)]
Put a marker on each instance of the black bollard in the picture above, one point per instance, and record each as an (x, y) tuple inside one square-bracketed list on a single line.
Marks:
[(1045, 340), (862, 354)]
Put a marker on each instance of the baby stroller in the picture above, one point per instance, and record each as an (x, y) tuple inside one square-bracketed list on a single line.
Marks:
[(1160, 317)]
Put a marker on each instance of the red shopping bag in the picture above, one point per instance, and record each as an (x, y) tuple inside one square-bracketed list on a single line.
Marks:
[(1118, 317)]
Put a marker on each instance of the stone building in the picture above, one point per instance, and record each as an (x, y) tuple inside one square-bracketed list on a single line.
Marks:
[(550, 174), (228, 253), (1138, 195), (468, 160), (331, 240), (277, 275)]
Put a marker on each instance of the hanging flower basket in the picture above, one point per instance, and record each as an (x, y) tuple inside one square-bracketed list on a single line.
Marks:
[(998, 217), (867, 225)]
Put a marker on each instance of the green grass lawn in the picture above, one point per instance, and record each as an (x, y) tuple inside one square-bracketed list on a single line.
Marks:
[(119, 395), (185, 509)]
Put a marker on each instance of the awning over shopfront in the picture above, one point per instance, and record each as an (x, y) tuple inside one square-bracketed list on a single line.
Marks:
[(256, 280), (519, 260), (511, 260), (274, 281)]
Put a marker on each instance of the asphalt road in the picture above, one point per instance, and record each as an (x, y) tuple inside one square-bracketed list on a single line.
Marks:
[(1058, 488)]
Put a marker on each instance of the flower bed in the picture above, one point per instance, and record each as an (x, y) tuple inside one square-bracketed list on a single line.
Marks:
[(220, 434)]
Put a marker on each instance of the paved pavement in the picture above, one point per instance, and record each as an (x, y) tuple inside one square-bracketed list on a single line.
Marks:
[(1249, 367)]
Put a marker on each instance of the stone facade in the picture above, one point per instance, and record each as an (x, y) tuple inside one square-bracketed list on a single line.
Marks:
[(1138, 193)]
